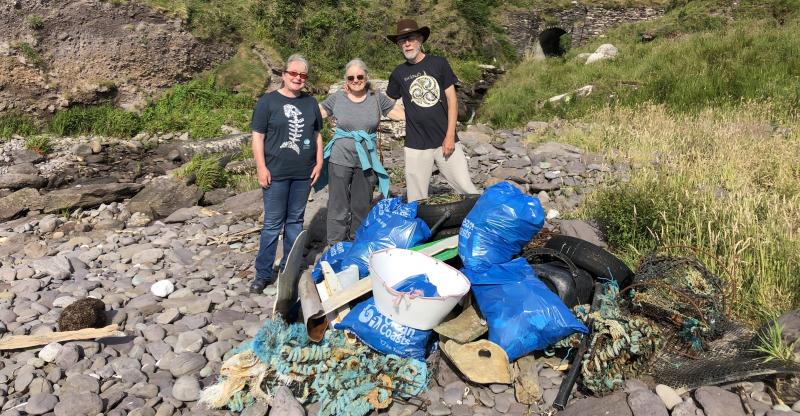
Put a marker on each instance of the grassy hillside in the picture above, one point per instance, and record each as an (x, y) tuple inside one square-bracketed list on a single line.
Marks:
[(704, 56), (331, 32)]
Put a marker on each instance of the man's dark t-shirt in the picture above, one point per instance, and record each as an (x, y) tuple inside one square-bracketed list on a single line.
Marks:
[(422, 87), (289, 124)]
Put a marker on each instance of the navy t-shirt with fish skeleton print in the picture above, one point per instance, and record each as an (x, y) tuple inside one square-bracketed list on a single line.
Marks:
[(422, 87), (290, 126)]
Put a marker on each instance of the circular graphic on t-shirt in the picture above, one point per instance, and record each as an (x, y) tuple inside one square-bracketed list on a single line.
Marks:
[(424, 91)]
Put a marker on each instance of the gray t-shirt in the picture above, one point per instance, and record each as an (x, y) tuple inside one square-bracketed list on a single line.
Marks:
[(352, 116)]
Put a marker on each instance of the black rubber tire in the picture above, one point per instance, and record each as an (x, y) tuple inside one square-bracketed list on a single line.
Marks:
[(598, 262), (458, 211), (572, 284), (572, 289), (444, 233), (559, 280)]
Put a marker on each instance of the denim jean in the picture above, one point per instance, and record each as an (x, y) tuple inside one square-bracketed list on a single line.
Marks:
[(284, 208)]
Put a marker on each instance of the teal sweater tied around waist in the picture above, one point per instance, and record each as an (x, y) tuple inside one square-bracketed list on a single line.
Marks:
[(369, 159)]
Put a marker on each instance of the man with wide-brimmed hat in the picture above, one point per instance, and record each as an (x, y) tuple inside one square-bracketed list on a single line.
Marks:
[(427, 85)]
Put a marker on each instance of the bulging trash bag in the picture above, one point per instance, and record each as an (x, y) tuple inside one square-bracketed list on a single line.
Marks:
[(381, 212), (522, 313), (334, 255), (383, 334), (390, 223), (498, 226)]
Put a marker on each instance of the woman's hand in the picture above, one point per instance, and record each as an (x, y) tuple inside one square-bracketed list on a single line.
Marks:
[(315, 173), (264, 177)]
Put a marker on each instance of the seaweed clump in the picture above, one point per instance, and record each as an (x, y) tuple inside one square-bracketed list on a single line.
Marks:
[(83, 313)]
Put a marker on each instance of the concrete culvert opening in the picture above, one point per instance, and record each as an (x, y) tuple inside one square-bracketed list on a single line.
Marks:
[(550, 40)]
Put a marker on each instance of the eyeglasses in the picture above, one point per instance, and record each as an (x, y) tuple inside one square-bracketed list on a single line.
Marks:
[(296, 74), (352, 78)]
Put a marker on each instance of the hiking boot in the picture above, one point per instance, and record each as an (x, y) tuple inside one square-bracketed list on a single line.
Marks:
[(258, 286)]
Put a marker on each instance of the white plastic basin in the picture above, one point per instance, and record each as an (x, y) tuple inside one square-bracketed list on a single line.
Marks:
[(391, 266)]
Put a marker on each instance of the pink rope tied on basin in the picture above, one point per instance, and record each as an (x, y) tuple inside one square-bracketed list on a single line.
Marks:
[(410, 295)]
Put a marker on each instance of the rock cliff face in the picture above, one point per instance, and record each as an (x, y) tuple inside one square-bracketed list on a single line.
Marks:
[(58, 53)]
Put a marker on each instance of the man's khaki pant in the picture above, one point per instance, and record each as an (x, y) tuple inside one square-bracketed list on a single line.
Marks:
[(419, 167)]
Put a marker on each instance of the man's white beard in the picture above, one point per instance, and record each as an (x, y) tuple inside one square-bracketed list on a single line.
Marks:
[(412, 54)]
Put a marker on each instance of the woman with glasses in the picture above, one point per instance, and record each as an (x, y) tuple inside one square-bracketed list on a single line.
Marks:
[(353, 164), (287, 147)]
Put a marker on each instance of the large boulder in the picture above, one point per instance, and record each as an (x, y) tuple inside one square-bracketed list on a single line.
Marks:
[(553, 150), (245, 205), (164, 195), (602, 53), (26, 156), (88, 196), (21, 180), (19, 202)]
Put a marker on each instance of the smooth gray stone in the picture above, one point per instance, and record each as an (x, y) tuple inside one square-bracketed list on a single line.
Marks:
[(646, 403), (80, 383), (73, 404), (718, 402), (39, 404), (686, 408), (614, 404), (186, 388), (284, 404), (187, 362)]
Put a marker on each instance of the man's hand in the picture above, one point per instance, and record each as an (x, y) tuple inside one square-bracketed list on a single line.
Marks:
[(264, 177), (315, 174), (449, 145)]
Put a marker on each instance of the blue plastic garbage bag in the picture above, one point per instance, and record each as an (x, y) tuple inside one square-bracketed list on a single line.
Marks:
[(334, 255), (502, 221), (522, 313), (383, 334), (390, 223), (417, 285), (381, 212)]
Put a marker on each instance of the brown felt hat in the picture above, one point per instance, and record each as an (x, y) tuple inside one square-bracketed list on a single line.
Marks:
[(406, 27)]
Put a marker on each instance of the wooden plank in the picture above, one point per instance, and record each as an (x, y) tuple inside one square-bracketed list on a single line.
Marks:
[(346, 295), (24, 341), (333, 286)]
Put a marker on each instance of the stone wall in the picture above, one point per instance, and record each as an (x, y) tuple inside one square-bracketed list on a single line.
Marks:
[(582, 22)]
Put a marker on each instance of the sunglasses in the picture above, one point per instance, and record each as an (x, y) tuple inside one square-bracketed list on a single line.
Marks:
[(296, 74), (352, 78), (412, 38)]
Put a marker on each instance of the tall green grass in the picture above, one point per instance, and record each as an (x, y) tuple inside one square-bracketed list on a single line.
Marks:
[(103, 120), (13, 123), (726, 181), (198, 107), (753, 60)]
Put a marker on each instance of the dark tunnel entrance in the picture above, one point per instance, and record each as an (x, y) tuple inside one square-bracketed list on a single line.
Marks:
[(550, 40)]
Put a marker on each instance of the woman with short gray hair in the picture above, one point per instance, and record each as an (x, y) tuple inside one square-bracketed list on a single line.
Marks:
[(352, 166)]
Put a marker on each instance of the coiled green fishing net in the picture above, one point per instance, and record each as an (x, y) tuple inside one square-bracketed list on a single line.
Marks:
[(345, 376), (621, 346)]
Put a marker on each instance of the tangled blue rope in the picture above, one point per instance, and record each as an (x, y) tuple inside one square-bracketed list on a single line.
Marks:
[(346, 377)]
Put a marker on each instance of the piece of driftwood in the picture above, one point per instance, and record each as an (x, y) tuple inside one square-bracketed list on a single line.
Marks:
[(24, 341)]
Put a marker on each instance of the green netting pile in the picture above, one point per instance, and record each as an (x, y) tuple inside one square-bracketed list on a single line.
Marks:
[(344, 376)]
